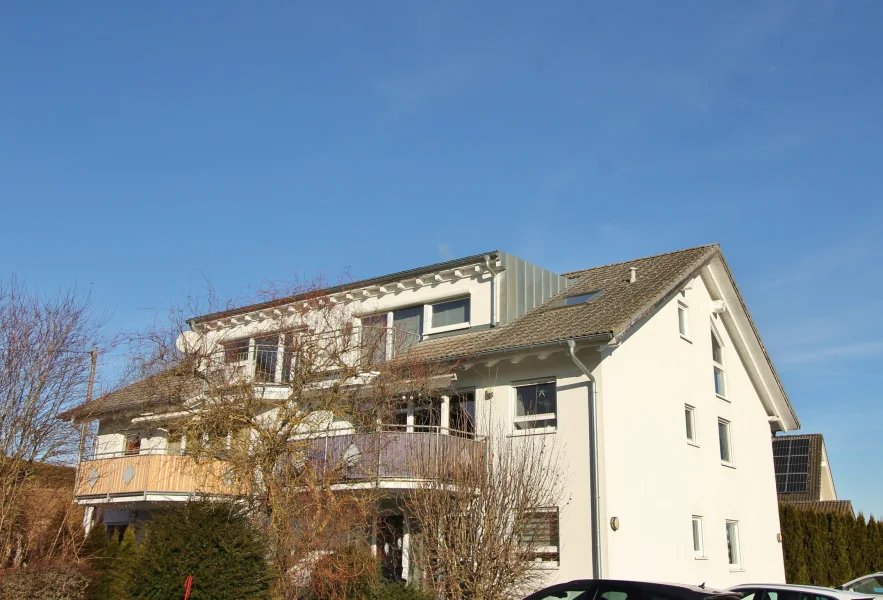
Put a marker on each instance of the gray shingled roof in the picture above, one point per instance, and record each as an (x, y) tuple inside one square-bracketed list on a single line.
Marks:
[(616, 308), (166, 387)]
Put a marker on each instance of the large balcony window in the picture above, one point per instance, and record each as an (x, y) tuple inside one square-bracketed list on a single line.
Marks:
[(267, 359)]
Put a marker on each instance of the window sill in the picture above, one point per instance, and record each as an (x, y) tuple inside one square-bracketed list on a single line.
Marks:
[(700, 558), (693, 443), (445, 328), (543, 566), (529, 432), (722, 397), (728, 465), (737, 570), (686, 339)]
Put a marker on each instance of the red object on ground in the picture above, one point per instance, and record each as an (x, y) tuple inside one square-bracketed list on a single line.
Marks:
[(187, 585)]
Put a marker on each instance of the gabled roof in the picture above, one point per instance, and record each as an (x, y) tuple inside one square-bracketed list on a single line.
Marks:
[(165, 387), (616, 308)]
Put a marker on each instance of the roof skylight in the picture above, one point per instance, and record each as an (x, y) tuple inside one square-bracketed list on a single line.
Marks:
[(577, 299)]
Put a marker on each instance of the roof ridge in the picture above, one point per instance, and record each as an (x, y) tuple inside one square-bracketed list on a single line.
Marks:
[(580, 272)]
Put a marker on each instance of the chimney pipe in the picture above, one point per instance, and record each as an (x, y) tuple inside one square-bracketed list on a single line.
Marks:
[(633, 274)]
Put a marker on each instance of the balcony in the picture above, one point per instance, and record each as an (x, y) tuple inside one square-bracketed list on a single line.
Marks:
[(153, 475), (395, 453), (391, 456)]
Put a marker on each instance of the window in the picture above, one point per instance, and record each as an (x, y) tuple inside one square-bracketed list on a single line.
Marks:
[(869, 585), (683, 323), (462, 413), (726, 443), (407, 328), (690, 417), (266, 355), (133, 444), (535, 406), (698, 542), (717, 358), (733, 550), (175, 443), (427, 414), (374, 339), (538, 534), (236, 351), (577, 299), (449, 315)]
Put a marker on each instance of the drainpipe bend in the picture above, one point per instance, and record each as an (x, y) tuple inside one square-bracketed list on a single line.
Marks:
[(593, 461)]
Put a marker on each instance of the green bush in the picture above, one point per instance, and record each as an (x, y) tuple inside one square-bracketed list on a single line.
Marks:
[(50, 582), (114, 565), (214, 542)]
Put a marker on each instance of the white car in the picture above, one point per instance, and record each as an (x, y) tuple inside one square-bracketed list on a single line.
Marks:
[(776, 591), (869, 584)]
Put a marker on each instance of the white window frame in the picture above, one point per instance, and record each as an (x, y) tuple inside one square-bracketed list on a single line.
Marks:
[(684, 310), (698, 535), (722, 394), (729, 427), (538, 417), (734, 546), (427, 316), (693, 441)]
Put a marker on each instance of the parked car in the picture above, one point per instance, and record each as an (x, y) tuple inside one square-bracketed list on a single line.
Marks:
[(607, 589), (771, 591), (869, 584)]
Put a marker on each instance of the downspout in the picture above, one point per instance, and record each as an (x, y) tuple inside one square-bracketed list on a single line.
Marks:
[(487, 263), (593, 462)]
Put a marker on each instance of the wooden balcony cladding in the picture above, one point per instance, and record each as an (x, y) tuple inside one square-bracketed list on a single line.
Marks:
[(152, 474)]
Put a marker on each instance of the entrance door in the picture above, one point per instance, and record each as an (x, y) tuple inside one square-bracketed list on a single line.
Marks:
[(390, 537)]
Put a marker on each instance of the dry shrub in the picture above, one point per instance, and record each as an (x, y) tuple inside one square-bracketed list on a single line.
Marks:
[(59, 581)]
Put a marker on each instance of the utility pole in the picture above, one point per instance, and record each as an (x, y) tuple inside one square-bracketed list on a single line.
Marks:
[(89, 512)]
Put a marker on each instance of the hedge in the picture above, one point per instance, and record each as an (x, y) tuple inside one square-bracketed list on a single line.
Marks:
[(829, 549)]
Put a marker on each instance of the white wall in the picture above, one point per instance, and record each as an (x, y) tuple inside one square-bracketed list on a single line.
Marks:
[(655, 481), (571, 438)]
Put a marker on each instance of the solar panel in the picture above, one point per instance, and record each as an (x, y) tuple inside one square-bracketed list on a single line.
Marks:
[(791, 461)]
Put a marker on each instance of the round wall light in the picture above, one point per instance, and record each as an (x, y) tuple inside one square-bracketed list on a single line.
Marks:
[(614, 523)]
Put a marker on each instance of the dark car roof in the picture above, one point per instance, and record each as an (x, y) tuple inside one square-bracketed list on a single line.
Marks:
[(670, 589)]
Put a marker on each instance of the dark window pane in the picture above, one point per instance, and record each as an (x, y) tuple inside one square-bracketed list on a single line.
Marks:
[(463, 414), (266, 352), (450, 313), (407, 327), (374, 339), (716, 352), (236, 351)]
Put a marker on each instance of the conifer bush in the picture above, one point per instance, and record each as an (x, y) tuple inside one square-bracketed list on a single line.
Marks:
[(214, 542)]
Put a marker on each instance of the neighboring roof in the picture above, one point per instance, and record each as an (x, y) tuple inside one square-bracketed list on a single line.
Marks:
[(164, 387), (798, 463), (835, 507), (442, 266)]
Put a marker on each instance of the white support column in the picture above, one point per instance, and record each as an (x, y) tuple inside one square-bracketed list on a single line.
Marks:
[(445, 421), (406, 548), (88, 519)]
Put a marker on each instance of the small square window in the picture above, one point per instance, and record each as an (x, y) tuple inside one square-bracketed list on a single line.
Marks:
[(698, 542), (536, 406), (726, 442), (734, 552), (690, 418), (133, 444)]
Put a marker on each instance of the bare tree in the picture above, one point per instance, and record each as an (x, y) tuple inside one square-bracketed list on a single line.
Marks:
[(487, 520), (292, 404), (45, 343)]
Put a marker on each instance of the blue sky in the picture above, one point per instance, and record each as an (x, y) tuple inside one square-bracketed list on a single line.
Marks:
[(145, 148)]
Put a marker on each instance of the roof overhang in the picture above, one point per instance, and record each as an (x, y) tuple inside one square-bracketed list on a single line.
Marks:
[(720, 283)]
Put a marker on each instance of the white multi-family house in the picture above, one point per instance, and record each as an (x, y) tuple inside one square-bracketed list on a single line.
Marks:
[(650, 375)]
